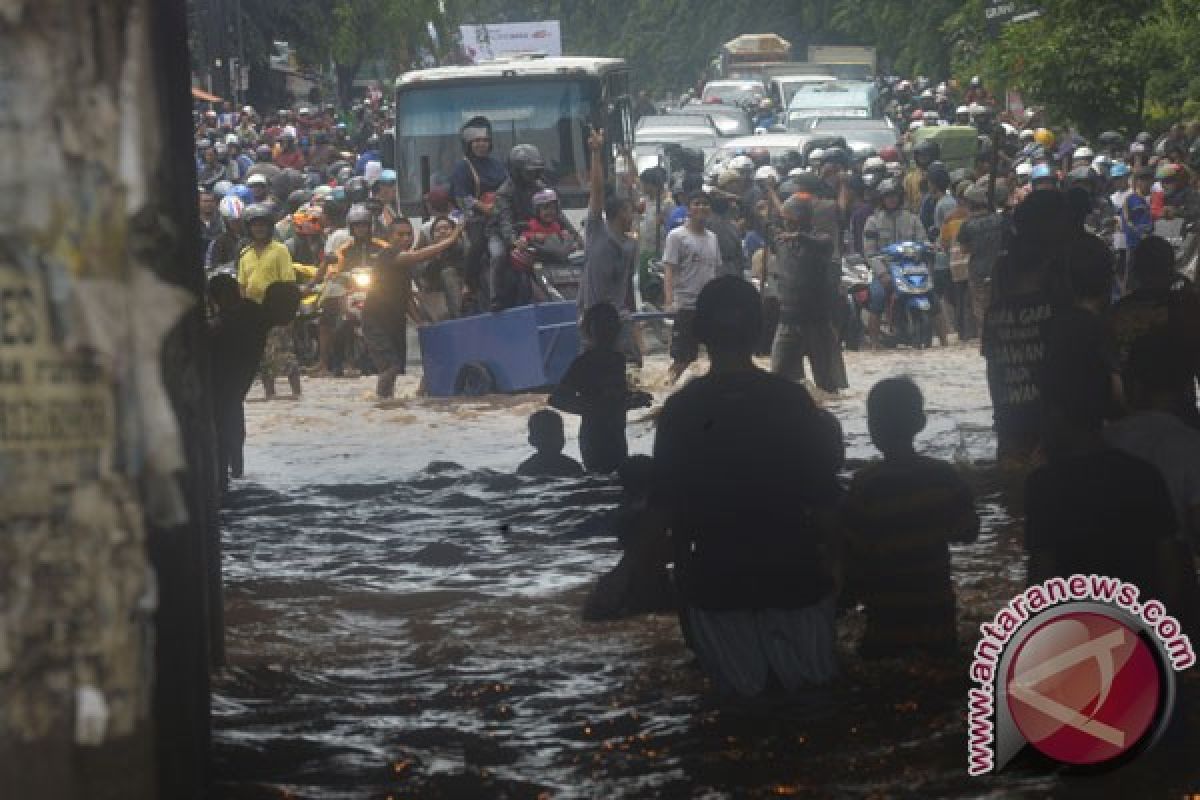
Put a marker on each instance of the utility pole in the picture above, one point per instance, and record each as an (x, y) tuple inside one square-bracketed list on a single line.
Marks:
[(107, 477)]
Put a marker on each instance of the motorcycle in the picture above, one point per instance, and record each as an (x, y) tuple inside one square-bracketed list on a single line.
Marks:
[(855, 285), (555, 272), (909, 317)]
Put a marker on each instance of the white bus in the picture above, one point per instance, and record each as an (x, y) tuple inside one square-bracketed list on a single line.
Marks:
[(547, 102)]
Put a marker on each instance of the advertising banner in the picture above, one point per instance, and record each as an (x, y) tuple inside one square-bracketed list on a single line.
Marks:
[(485, 42)]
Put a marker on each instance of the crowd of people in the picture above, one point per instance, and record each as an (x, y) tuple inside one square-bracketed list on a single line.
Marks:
[(1047, 254), (1044, 248)]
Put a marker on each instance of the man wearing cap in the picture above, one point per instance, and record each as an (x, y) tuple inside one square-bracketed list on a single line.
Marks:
[(260, 187)]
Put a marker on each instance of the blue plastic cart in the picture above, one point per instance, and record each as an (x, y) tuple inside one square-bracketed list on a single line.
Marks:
[(517, 350)]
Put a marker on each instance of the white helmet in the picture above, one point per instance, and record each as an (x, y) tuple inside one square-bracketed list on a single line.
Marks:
[(917, 123), (797, 172), (741, 163), (1083, 152), (895, 168), (1102, 160), (930, 116), (1027, 135), (766, 174), (1009, 130), (927, 93), (1024, 169), (963, 110), (759, 131), (874, 163), (233, 139), (816, 155)]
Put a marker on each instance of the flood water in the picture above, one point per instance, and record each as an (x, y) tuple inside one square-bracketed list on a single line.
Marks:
[(403, 621)]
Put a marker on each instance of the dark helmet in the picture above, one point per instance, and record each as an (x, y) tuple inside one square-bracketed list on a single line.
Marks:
[(357, 190), (1111, 140), (263, 152), (938, 175), (836, 155), (297, 199), (1193, 159), (1144, 138), (984, 146), (692, 159), (257, 212), (525, 163), (927, 152)]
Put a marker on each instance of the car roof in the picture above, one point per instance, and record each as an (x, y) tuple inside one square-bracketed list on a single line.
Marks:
[(767, 140), (673, 121), (667, 130), (697, 109), (835, 122), (739, 82)]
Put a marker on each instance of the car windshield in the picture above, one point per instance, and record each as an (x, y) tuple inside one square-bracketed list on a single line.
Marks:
[(734, 93), (551, 114)]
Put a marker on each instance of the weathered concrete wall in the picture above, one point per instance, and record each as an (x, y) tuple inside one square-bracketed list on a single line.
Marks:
[(91, 452)]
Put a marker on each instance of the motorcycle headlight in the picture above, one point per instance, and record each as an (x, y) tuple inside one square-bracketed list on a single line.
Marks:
[(362, 280)]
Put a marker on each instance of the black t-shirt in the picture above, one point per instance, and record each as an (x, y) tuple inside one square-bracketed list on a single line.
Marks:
[(238, 338), (550, 465), (741, 463), (1100, 513), (1150, 310), (1015, 332), (391, 286)]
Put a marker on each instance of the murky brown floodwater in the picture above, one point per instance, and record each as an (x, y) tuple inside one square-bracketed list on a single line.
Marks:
[(403, 619)]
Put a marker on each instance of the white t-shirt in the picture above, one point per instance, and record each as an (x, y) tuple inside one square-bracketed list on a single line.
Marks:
[(696, 258), (1118, 200), (1168, 443)]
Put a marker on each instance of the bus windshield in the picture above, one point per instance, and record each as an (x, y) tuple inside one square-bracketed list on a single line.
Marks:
[(552, 114)]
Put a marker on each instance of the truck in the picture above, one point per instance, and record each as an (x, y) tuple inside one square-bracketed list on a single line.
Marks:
[(748, 54), (852, 62)]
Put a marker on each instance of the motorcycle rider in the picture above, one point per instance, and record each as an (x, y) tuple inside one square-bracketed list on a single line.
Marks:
[(211, 223), (360, 250), (514, 206), (765, 118), (223, 250), (473, 186), (890, 224), (264, 262)]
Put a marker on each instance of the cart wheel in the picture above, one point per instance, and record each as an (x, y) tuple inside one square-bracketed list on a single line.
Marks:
[(474, 380)]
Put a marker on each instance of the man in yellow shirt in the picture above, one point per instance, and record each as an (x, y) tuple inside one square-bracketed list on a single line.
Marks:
[(264, 262)]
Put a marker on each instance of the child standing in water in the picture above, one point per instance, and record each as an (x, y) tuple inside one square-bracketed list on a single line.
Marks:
[(547, 438), (899, 516), (595, 387)]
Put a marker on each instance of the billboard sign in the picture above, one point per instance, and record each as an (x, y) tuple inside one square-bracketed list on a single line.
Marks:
[(485, 42)]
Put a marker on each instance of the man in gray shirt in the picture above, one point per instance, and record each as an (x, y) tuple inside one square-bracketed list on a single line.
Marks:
[(691, 259), (609, 253)]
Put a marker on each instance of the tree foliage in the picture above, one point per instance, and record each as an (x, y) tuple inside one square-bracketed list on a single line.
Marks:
[(1095, 63)]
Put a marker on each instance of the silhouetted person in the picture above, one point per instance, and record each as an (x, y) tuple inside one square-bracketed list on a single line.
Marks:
[(639, 583), (899, 516), (1157, 305), (595, 387), (1158, 386), (1016, 323), (745, 469), (547, 438), (1092, 508), (238, 338)]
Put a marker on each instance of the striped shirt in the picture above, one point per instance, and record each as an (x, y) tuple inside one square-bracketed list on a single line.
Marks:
[(899, 518)]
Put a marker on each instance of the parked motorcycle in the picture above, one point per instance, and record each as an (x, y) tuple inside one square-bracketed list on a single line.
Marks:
[(909, 317), (855, 283)]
